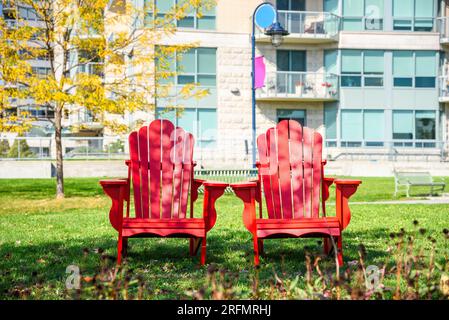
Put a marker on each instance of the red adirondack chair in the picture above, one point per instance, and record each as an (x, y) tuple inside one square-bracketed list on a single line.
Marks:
[(161, 173), (291, 179)]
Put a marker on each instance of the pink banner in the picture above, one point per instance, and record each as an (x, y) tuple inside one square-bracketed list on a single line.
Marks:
[(259, 72)]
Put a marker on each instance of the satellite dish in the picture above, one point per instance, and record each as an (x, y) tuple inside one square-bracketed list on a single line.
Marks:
[(265, 16)]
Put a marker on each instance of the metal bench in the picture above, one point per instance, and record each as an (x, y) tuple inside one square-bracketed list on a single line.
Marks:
[(416, 179), (226, 175)]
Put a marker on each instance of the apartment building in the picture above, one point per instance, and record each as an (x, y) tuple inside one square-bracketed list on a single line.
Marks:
[(370, 75)]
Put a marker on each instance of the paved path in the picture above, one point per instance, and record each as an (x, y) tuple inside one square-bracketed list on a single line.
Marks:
[(427, 201)]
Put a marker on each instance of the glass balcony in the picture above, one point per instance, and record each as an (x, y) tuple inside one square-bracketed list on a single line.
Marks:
[(443, 82), (8, 5), (442, 25), (11, 23), (306, 27), (299, 86)]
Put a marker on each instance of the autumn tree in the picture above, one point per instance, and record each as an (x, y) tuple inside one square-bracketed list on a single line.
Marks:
[(117, 35)]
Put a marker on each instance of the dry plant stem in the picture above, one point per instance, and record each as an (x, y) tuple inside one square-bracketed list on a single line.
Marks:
[(430, 272), (397, 295), (337, 267)]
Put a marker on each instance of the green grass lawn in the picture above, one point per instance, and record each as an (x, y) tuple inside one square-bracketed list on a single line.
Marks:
[(40, 237)]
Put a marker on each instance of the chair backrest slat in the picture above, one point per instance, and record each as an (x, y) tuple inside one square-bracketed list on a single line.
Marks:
[(167, 145), (143, 159), (274, 171), (285, 179), (264, 173), (177, 170), (307, 162), (161, 170), (135, 172), (297, 169), (291, 170), (316, 173), (155, 130), (187, 169)]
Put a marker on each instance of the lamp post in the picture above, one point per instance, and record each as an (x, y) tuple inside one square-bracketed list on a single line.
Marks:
[(277, 33)]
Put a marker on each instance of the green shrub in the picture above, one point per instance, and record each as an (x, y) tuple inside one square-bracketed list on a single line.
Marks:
[(25, 151), (4, 148), (117, 147)]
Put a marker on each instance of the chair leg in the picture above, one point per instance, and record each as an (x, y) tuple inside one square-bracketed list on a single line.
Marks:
[(340, 250), (261, 248), (203, 251), (256, 250), (327, 246), (125, 247), (194, 246), (119, 249)]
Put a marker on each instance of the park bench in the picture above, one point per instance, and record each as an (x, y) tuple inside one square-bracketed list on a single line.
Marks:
[(416, 179)]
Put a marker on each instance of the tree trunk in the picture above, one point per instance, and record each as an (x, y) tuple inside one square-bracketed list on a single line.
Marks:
[(59, 159)]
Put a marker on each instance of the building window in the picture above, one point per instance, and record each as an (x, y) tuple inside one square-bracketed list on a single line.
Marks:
[(403, 125), (413, 15), (41, 72), (202, 123), (425, 124), (164, 8), (291, 5), (361, 15), (373, 128), (291, 114), (373, 68), (362, 68), (330, 123), (37, 111), (425, 69), (351, 128), (291, 65), (199, 116), (410, 125), (362, 128), (28, 13), (291, 60), (196, 65), (414, 69), (90, 62)]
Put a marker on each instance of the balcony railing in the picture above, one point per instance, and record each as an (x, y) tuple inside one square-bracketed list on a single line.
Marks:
[(11, 23), (300, 86), (443, 85), (442, 25), (308, 25), (8, 5)]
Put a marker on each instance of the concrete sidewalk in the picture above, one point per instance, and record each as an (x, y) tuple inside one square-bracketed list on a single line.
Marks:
[(427, 201)]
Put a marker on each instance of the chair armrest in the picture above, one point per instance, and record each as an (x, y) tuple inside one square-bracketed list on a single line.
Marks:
[(212, 191), (344, 190), (247, 192), (118, 190), (327, 182), (196, 184), (244, 185), (215, 184)]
